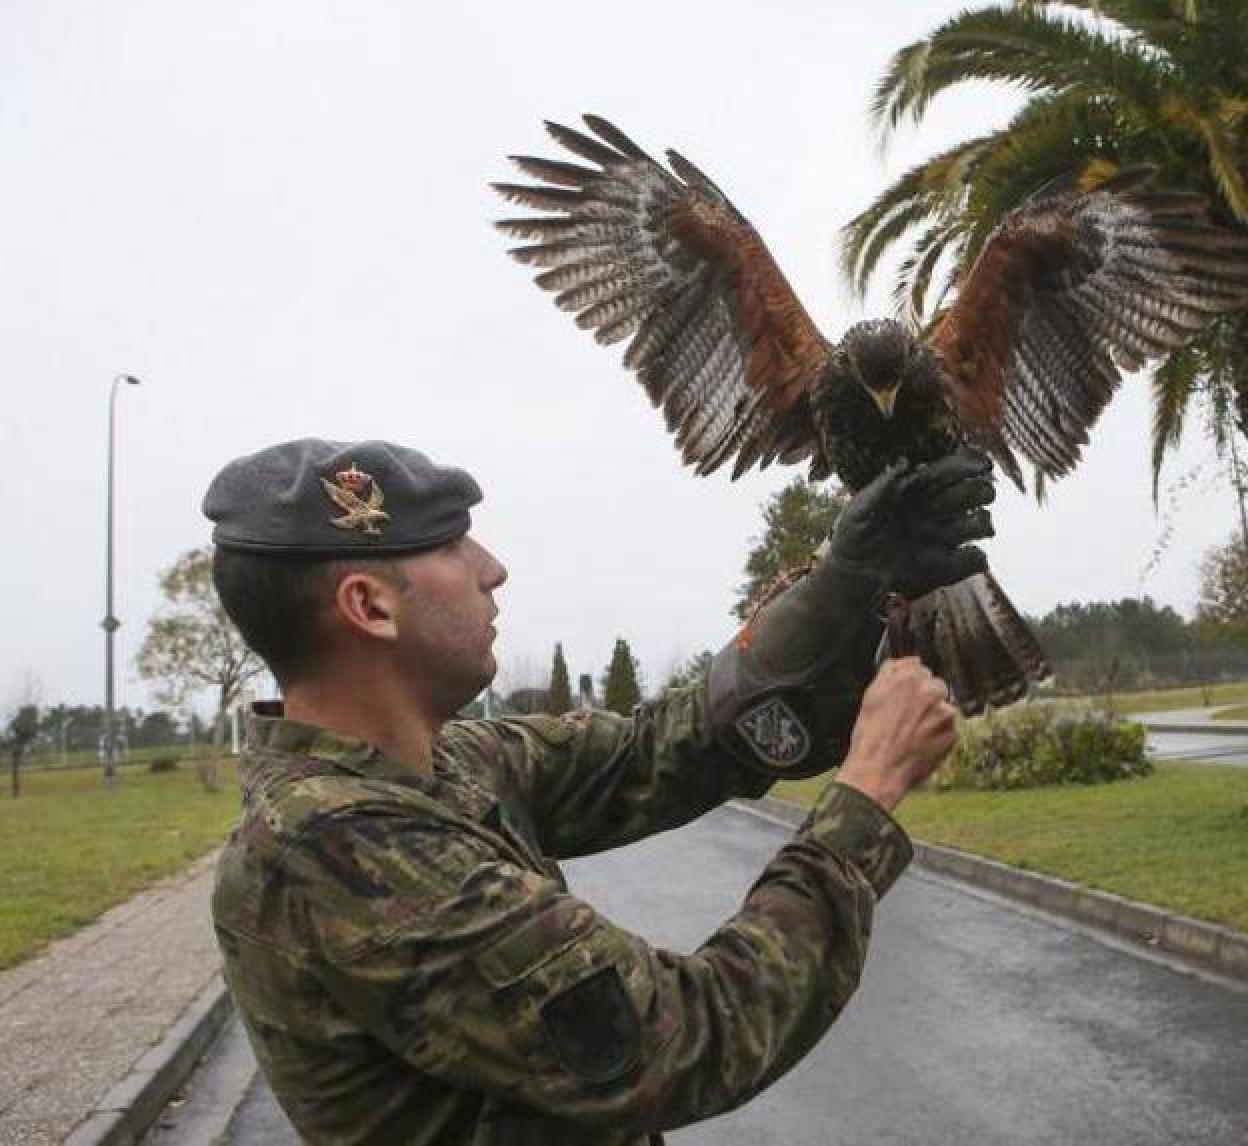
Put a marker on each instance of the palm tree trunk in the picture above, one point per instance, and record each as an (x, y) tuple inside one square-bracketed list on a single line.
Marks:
[(1238, 478)]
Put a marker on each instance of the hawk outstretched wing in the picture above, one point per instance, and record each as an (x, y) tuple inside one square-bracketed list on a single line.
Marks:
[(1073, 288), (719, 339)]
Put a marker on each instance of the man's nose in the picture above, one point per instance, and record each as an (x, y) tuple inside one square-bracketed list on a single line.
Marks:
[(495, 570)]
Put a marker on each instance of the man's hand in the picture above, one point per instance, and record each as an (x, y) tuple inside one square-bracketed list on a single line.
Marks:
[(905, 728)]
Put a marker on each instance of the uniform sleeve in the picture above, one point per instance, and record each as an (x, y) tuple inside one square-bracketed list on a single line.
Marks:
[(595, 780), (492, 978)]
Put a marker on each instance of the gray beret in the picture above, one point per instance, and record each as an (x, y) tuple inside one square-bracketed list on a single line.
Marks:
[(338, 499)]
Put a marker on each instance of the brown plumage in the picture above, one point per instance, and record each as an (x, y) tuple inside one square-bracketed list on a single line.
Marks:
[(1072, 288)]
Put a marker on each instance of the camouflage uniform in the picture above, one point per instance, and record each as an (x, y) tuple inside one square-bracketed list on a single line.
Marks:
[(411, 968)]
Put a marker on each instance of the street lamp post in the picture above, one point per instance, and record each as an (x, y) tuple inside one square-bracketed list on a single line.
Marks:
[(110, 624)]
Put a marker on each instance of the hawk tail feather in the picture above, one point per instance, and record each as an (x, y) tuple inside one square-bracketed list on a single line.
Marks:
[(972, 636)]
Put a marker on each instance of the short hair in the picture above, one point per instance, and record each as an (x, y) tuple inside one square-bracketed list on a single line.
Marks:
[(278, 602)]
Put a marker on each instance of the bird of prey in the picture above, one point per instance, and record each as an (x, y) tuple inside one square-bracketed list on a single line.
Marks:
[(1073, 287)]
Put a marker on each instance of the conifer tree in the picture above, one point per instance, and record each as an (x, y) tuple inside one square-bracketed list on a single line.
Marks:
[(559, 692), (621, 690)]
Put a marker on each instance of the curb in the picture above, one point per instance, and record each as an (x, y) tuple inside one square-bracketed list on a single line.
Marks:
[(1208, 728), (123, 1115), (1214, 947)]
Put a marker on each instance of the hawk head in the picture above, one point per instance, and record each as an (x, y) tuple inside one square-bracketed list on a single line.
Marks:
[(878, 353)]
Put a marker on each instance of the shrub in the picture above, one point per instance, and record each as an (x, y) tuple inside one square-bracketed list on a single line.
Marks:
[(163, 764), (1031, 745)]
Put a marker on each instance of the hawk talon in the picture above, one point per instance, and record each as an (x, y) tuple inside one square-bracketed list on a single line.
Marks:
[(896, 616)]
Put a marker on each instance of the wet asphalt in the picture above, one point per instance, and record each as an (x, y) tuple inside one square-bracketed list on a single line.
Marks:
[(978, 1020), (1201, 746)]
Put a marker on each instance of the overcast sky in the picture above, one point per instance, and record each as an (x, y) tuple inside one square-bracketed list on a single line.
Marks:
[(275, 213)]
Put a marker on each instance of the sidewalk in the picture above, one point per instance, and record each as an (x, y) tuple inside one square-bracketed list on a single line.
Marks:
[(75, 1019)]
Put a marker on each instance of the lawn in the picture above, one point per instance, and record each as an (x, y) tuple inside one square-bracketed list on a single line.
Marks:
[(70, 849), (1161, 700), (48, 758), (1177, 838), (1235, 712)]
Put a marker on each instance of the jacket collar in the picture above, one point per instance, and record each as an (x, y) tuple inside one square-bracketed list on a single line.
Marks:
[(269, 730)]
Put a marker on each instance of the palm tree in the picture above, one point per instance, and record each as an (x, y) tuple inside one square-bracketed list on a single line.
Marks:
[(1113, 84)]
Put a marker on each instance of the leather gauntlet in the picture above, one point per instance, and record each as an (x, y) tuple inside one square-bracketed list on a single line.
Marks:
[(784, 693)]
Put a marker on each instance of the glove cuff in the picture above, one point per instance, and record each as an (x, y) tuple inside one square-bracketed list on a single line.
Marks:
[(784, 694)]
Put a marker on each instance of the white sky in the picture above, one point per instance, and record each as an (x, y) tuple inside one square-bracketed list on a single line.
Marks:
[(275, 213)]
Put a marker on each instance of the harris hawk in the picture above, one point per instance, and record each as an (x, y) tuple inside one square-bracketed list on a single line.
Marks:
[(1072, 288)]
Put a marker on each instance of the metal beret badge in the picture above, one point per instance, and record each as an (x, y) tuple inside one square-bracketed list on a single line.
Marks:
[(361, 511)]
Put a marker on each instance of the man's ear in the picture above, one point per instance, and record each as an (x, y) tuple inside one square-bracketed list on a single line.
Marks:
[(367, 606)]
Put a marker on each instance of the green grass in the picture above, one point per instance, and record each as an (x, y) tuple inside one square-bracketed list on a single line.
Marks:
[(46, 758), (1160, 700), (1235, 712), (70, 849), (1177, 839)]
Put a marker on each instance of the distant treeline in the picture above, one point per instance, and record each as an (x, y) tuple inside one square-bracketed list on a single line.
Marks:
[(71, 730), (1135, 644)]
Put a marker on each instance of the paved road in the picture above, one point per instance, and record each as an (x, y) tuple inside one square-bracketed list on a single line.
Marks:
[(1211, 747), (978, 1022)]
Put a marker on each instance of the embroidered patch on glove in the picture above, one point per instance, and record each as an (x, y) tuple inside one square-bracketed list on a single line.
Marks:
[(774, 733)]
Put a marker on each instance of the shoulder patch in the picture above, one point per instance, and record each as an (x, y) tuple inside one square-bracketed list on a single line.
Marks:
[(775, 734), (594, 1029)]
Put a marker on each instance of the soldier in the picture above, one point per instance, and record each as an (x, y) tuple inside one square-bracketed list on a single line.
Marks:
[(396, 932)]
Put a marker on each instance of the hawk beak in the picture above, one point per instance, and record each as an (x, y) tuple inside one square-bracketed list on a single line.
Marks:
[(885, 400)]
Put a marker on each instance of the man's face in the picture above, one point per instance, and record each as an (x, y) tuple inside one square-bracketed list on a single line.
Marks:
[(446, 630)]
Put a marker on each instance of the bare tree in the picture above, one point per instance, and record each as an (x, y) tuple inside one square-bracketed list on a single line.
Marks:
[(191, 645), (520, 673), (689, 670), (1222, 607)]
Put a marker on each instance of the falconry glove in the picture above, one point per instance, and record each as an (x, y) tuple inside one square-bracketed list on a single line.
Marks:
[(785, 692), (910, 527)]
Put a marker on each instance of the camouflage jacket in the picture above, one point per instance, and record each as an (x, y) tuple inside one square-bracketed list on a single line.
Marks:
[(411, 968)]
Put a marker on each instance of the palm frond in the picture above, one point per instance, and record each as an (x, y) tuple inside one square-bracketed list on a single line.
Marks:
[(1174, 383), (1049, 137), (1226, 161), (965, 194), (1201, 37), (914, 278), (1033, 49), (933, 190), (1156, 21), (889, 232)]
